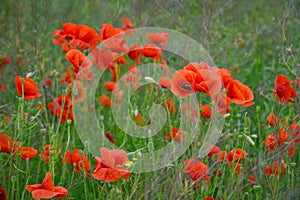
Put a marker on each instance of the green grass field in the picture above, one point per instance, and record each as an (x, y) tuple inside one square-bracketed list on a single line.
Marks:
[(82, 88)]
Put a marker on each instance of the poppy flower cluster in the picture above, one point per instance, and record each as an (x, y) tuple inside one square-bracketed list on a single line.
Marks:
[(196, 170), (80, 161), (276, 141), (233, 158), (7, 145), (199, 77)]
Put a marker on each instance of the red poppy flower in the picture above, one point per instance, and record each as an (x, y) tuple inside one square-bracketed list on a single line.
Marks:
[(268, 170), (102, 58), (209, 198), (108, 31), (127, 26), (165, 82), (283, 90), (78, 60), (110, 86), (236, 155), (109, 137), (221, 156), (271, 142), (7, 145), (196, 170), (224, 73), (272, 119), (177, 135), (46, 190), (182, 83), (73, 35), (278, 168), (239, 93), (105, 101), (159, 38), (283, 136), (207, 81), (214, 150), (27, 153), (205, 111), (109, 166), (292, 149), (153, 51), (2, 194), (134, 53), (79, 161), (121, 60), (28, 86), (116, 44), (61, 107)]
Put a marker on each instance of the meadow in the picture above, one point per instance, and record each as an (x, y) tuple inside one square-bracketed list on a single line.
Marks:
[(149, 99)]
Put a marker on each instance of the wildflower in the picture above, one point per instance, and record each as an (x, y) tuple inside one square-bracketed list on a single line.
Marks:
[(153, 51), (214, 150), (105, 101), (271, 142), (236, 155), (177, 135), (272, 119), (80, 161), (283, 90), (78, 60), (7, 145), (109, 165), (165, 82), (134, 53), (110, 86), (205, 111), (46, 190), (127, 26), (28, 87), (116, 44), (274, 168), (108, 30), (196, 170), (73, 35), (239, 93), (182, 83), (61, 107), (27, 153)]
